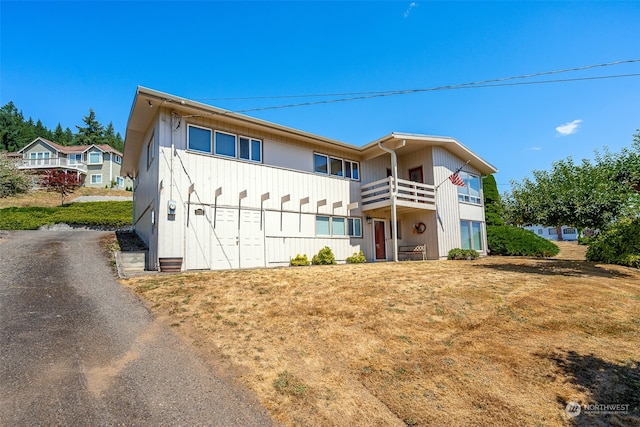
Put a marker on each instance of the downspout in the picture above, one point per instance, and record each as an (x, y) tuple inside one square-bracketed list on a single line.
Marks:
[(394, 192)]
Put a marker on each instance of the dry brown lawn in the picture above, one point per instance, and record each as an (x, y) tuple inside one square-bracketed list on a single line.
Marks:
[(51, 199), (497, 341)]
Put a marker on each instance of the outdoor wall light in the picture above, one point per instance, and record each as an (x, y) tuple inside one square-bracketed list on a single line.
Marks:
[(368, 219)]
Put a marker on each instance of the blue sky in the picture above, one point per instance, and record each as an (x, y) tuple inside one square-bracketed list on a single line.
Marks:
[(60, 58)]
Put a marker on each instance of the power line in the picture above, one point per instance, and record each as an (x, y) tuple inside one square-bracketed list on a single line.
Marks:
[(402, 91), (405, 92)]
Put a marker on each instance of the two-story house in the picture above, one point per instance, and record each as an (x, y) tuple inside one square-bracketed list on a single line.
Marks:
[(221, 190), (96, 165)]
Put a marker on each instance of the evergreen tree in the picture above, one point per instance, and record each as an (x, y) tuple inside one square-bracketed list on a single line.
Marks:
[(92, 132), (493, 207), (42, 131), (58, 135), (11, 124), (68, 137), (111, 138)]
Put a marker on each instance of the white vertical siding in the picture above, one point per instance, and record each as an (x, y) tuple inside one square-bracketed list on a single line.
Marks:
[(444, 164)]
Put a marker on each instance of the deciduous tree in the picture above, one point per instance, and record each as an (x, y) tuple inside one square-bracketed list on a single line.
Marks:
[(61, 182)]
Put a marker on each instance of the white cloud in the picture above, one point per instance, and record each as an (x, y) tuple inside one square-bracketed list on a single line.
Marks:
[(411, 6), (535, 148), (568, 128)]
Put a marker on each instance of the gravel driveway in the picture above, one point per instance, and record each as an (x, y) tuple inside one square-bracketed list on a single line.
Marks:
[(76, 348)]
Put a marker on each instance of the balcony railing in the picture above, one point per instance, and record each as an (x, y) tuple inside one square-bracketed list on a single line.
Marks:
[(51, 163), (411, 194)]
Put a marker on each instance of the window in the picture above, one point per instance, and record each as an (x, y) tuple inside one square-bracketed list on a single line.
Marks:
[(74, 159), (41, 158), (322, 226), (354, 227), (117, 158), (553, 231), (569, 231), (320, 163), (250, 149), (225, 144), (96, 179), (470, 193), (337, 227), (120, 181), (471, 232), (95, 158), (150, 152), (199, 139), (336, 167), (540, 230)]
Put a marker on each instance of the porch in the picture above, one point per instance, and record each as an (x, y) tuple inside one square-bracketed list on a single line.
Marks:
[(411, 196), (51, 163)]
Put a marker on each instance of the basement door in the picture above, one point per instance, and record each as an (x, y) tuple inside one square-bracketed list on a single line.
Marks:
[(224, 238)]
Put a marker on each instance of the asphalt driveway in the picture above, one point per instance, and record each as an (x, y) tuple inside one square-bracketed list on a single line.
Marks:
[(76, 348)]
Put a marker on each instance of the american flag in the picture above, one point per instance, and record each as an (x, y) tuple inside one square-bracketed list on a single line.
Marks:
[(456, 180)]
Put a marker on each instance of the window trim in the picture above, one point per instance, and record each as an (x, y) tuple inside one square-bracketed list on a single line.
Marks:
[(96, 175), (470, 225), (89, 162), (189, 126), (119, 180), (346, 219), (235, 144), (151, 155), (251, 140), (344, 162), (117, 159), (463, 192)]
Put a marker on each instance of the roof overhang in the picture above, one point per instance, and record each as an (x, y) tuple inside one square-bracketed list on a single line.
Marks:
[(406, 143), (148, 102)]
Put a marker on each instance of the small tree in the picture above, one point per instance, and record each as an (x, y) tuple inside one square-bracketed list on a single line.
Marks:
[(12, 180), (61, 182)]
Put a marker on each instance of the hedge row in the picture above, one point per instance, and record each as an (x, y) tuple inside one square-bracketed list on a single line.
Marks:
[(516, 241)]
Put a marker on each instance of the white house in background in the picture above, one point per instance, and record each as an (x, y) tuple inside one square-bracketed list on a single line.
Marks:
[(551, 233), (221, 190), (96, 165)]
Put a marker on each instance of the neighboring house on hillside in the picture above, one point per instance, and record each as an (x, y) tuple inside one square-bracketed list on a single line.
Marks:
[(222, 190), (551, 233), (97, 165)]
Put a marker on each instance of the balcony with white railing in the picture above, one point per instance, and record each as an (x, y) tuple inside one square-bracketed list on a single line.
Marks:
[(51, 163), (410, 195)]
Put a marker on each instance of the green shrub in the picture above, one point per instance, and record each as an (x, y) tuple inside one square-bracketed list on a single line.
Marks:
[(102, 214), (324, 257), (516, 241), (356, 258), (299, 260), (458, 253), (620, 244), (586, 241)]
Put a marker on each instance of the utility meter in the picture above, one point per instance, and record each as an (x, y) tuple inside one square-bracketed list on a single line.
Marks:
[(172, 207)]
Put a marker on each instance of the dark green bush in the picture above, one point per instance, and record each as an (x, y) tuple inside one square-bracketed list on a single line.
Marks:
[(586, 241), (324, 257), (620, 244), (299, 260), (102, 214), (516, 241), (458, 253), (356, 258)]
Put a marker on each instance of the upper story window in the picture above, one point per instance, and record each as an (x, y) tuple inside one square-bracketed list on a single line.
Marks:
[(95, 158), (150, 151), (117, 158), (74, 158), (224, 144), (470, 193), (336, 166)]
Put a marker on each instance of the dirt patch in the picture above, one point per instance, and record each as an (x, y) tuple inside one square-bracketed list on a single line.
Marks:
[(497, 341), (50, 199)]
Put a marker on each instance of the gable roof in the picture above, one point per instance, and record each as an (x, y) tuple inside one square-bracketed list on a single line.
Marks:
[(147, 103)]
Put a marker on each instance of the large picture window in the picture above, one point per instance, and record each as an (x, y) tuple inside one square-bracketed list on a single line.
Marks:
[(199, 139), (95, 158), (470, 193), (225, 144), (471, 232)]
